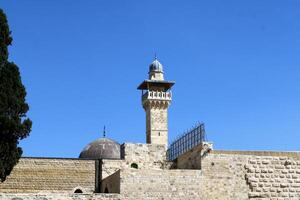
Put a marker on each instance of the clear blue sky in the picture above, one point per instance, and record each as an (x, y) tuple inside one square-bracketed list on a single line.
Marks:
[(236, 65)]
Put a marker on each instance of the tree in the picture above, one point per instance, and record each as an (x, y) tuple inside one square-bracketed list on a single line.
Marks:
[(14, 125)]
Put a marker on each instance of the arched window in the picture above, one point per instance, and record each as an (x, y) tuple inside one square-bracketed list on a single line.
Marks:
[(78, 191), (134, 165)]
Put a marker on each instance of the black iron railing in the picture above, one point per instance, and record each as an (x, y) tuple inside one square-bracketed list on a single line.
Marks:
[(186, 142)]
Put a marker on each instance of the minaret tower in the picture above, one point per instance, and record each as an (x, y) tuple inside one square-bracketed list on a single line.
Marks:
[(156, 98)]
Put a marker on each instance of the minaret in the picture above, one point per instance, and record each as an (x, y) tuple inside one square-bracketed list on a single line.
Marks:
[(156, 98)]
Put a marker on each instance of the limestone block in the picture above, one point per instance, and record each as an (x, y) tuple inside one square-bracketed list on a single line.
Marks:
[(56, 175)]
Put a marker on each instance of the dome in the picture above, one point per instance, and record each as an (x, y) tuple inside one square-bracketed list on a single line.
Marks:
[(101, 148), (156, 66)]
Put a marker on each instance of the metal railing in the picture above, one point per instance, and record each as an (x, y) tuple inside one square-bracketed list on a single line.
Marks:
[(157, 95), (186, 141)]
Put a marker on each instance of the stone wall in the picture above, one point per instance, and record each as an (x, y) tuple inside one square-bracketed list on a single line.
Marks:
[(157, 121), (55, 175), (273, 177), (192, 158), (111, 184), (160, 184), (60, 196), (109, 167), (146, 156), (251, 175), (245, 174), (223, 177)]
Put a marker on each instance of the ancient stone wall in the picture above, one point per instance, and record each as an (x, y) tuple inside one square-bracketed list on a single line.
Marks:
[(245, 174), (111, 184), (157, 121), (109, 166), (160, 184), (60, 196), (251, 175), (223, 177), (55, 175), (192, 158), (273, 177), (146, 156)]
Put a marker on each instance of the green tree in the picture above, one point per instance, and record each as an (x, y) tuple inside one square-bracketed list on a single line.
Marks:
[(14, 125)]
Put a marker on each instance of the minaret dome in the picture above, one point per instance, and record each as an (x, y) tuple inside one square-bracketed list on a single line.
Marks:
[(156, 71), (156, 66)]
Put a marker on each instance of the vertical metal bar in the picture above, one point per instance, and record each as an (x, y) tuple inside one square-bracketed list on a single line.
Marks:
[(187, 141)]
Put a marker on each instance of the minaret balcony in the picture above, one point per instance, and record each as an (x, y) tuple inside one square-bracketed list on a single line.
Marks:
[(157, 95)]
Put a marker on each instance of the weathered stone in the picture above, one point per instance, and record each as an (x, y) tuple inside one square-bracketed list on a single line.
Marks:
[(232, 176)]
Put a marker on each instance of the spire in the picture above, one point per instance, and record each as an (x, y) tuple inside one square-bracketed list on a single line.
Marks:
[(104, 133), (155, 56)]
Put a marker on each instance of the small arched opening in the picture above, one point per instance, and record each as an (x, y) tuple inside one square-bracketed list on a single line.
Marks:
[(106, 190), (134, 165), (78, 191)]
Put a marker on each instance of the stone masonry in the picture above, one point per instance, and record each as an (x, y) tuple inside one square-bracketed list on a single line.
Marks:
[(260, 175), (146, 156), (156, 121), (225, 175), (156, 184), (273, 178), (60, 196), (156, 98), (32, 175)]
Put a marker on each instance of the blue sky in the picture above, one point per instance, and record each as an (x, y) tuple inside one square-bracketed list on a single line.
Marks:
[(236, 65)]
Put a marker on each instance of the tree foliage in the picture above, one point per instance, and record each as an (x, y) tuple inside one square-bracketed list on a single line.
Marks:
[(14, 125)]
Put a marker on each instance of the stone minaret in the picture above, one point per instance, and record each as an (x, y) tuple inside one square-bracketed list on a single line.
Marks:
[(156, 98)]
